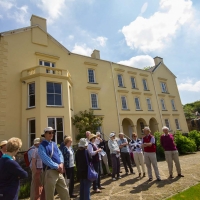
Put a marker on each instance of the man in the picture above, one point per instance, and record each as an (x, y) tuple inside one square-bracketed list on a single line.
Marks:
[(148, 143), (53, 167), (101, 144), (62, 144), (171, 152), (87, 134), (3, 147), (125, 155), (36, 168)]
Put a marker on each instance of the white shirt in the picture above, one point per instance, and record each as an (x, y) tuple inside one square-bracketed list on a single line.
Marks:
[(71, 157), (35, 155)]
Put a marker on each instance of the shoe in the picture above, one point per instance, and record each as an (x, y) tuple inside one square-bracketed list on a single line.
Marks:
[(150, 179), (114, 179), (126, 173), (158, 179), (102, 187), (97, 191), (119, 177), (144, 174), (171, 176), (109, 174), (139, 175), (73, 195), (132, 172), (180, 175)]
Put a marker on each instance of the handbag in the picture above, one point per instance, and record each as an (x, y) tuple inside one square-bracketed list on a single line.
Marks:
[(92, 174)]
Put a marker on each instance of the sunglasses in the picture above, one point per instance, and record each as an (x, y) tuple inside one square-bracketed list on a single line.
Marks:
[(134, 136), (50, 133)]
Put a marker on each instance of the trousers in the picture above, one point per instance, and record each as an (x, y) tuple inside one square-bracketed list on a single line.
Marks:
[(139, 160), (115, 165), (105, 161), (126, 159)]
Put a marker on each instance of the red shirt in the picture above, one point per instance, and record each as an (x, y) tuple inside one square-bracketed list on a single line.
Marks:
[(167, 142)]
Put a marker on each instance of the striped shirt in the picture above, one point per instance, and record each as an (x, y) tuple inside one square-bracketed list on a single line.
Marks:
[(135, 145)]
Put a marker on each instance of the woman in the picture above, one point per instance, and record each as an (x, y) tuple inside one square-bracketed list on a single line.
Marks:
[(3, 147), (10, 171), (135, 146), (68, 154), (115, 154), (82, 169), (94, 153)]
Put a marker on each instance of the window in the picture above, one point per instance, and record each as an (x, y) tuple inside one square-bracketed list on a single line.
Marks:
[(163, 87), (31, 95), (137, 103), (31, 131), (167, 123), (173, 104), (57, 123), (144, 81), (177, 124), (54, 94), (120, 80), (124, 103), (149, 104), (70, 98), (133, 82), (91, 76), (94, 101), (163, 104), (142, 127), (47, 64)]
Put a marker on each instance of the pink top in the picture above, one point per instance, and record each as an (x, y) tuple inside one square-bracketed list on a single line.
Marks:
[(167, 142)]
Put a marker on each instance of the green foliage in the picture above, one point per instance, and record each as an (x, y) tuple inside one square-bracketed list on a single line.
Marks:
[(86, 121), (159, 150), (195, 135), (190, 109), (147, 68), (24, 191), (184, 144)]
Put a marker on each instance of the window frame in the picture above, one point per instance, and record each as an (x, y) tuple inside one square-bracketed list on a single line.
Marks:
[(97, 102), (121, 80), (168, 124), (163, 108), (165, 86), (125, 98), (30, 95), (132, 77), (173, 104), (54, 94), (138, 103), (51, 65), (93, 75), (145, 81), (149, 104), (29, 132), (179, 127), (55, 117)]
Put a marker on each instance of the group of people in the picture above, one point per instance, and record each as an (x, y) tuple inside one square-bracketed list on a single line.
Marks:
[(53, 168)]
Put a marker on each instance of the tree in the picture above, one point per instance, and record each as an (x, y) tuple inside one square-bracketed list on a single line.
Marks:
[(147, 68), (190, 109), (86, 121)]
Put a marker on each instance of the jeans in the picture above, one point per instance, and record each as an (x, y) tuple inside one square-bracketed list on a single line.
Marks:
[(96, 183), (85, 185), (70, 176), (115, 165), (126, 159)]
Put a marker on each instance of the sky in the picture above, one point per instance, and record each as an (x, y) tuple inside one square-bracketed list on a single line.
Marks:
[(130, 32)]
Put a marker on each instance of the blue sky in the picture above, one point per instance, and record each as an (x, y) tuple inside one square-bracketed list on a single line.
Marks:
[(130, 32)]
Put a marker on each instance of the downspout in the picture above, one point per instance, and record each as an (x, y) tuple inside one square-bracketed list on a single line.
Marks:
[(117, 106), (157, 99)]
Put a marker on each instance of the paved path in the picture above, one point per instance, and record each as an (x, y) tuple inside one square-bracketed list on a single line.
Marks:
[(133, 188)]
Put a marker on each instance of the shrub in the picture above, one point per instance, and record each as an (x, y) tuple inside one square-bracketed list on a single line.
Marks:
[(195, 135), (184, 144), (24, 191), (159, 150)]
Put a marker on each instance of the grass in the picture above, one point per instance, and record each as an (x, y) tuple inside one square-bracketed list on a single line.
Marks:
[(192, 193)]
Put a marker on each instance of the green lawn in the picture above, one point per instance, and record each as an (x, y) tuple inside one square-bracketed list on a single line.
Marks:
[(192, 193)]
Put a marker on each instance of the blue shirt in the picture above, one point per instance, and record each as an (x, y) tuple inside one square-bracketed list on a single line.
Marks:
[(42, 151), (124, 149)]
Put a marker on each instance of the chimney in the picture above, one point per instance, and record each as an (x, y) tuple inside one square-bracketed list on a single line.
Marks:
[(96, 54), (157, 60), (36, 20)]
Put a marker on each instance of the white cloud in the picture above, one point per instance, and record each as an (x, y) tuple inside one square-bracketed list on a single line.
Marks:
[(153, 33), (144, 7), (52, 8), (190, 86), (139, 61), (71, 37), (20, 14), (101, 40), (82, 49), (6, 4)]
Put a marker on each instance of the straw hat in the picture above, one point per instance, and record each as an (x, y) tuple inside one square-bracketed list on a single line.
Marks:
[(92, 136), (3, 143)]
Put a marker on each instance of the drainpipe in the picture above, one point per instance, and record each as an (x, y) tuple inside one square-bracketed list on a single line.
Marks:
[(117, 106), (157, 99)]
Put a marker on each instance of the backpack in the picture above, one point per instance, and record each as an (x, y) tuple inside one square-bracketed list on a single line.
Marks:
[(26, 160)]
